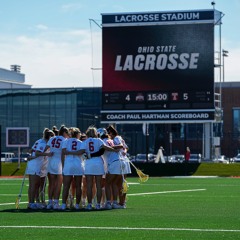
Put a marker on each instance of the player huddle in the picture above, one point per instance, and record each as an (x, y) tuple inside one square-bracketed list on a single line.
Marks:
[(91, 167)]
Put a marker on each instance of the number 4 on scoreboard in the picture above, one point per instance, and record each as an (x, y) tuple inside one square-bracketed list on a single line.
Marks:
[(127, 98)]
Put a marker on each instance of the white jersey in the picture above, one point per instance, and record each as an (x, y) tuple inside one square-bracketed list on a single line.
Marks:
[(112, 159), (73, 164), (35, 145), (108, 156), (34, 165), (43, 172), (54, 162), (95, 165), (119, 140), (125, 165)]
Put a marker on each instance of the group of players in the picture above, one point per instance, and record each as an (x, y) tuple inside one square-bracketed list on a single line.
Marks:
[(90, 166)]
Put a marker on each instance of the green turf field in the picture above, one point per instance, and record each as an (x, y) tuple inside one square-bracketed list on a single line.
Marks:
[(162, 208)]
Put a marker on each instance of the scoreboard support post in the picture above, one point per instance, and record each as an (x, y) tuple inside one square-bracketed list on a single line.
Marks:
[(19, 157)]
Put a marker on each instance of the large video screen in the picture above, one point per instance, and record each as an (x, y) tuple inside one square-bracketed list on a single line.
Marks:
[(165, 70)]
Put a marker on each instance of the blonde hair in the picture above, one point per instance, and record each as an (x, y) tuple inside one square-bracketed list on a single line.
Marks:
[(74, 132), (47, 134), (91, 132)]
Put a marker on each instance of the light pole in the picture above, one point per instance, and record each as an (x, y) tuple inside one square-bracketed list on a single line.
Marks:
[(224, 54)]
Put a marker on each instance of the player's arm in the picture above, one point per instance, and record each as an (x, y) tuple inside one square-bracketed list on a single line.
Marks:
[(108, 148), (99, 153), (47, 154), (29, 158)]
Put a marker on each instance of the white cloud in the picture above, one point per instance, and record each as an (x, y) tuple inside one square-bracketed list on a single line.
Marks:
[(231, 65), (54, 59), (41, 27), (71, 7)]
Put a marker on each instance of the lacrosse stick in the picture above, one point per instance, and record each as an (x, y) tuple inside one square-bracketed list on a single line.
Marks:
[(124, 186), (42, 193), (124, 183), (142, 176), (17, 203)]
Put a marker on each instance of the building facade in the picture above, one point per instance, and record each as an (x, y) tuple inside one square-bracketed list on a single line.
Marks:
[(80, 107), (12, 78)]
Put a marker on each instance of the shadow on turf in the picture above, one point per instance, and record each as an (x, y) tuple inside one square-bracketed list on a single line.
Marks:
[(25, 210)]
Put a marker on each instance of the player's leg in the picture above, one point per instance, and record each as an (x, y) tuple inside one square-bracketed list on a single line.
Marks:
[(34, 188), (67, 179), (84, 191), (78, 184), (103, 183), (89, 181), (98, 179), (51, 185), (57, 190)]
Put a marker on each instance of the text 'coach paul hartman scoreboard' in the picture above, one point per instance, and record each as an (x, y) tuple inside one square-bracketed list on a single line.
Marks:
[(158, 64)]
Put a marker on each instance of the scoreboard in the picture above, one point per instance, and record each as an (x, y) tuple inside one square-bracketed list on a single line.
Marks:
[(158, 100), (17, 137), (158, 67)]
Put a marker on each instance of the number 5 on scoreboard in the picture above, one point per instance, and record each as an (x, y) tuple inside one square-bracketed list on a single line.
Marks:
[(185, 96)]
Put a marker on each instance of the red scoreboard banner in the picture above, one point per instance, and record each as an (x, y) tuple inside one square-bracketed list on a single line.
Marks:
[(158, 67)]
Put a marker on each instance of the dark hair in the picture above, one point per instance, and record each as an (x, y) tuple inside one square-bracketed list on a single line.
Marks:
[(49, 134), (45, 130), (63, 130), (55, 130), (112, 130), (83, 137)]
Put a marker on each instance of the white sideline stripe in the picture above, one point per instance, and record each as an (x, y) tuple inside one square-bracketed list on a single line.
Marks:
[(129, 194), (6, 194), (128, 228), (12, 203), (175, 191)]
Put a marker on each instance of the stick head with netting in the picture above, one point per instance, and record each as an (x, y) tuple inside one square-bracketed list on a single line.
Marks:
[(142, 176), (124, 186), (17, 202)]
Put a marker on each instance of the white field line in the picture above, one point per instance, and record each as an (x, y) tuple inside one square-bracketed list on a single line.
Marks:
[(130, 194), (175, 191), (128, 228), (5, 194), (9, 184)]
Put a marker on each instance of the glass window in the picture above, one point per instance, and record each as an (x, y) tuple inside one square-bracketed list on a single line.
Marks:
[(236, 122)]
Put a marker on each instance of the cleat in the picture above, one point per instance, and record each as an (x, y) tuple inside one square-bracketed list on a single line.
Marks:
[(89, 207), (77, 207), (97, 206), (84, 203), (64, 206), (40, 206), (117, 206), (108, 206), (56, 206), (124, 205), (33, 206), (50, 206)]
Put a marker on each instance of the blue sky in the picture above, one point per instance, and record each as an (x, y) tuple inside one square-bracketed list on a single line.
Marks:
[(56, 45)]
